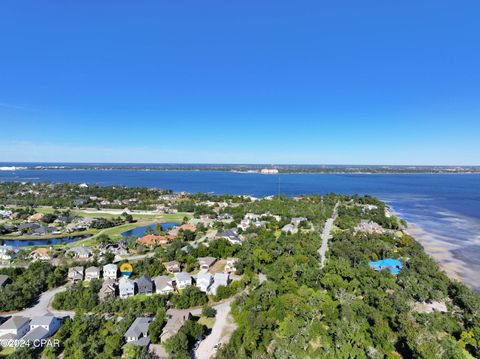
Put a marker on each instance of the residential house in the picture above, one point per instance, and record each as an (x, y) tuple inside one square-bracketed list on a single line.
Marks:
[(42, 254), (289, 228), (144, 285), (225, 216), (252, 216), (4, 280), (183, 280), (28, 227), (110, 271), (81, 252), (126, 288), (152, 240), (206, 262), (163, 284), (92, 273), (172, 267), (42, 327), (297, 220), (5, 213), (231, 236), (7, 252), (204, 281), (37, 217), (75, 274), (117, 248), (219, 279), (14, 328), (137, 334), (230, 266), (369, 227), (109, 289), (175, 320), (44, 230), (188, 227)]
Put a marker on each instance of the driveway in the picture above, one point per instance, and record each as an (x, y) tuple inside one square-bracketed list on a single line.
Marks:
[(221, 331), (42, 306)]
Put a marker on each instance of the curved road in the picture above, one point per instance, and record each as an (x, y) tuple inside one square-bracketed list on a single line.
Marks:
[(42, 307)]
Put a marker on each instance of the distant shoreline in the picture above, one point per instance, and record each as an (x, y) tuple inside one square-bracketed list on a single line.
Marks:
[(249, 169)]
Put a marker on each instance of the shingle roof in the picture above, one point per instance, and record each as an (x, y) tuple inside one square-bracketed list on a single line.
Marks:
[(15, 323)]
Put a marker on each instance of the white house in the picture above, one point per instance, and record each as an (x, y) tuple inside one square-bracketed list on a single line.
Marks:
[(219, 279), (42, 327), (204, 281), (126, 288), (110, 271), (230, 266), (163, 284), (137, 334), (183, 280), (14, 328), (75, 274), (206, 262), (92, 273), (7, 252)]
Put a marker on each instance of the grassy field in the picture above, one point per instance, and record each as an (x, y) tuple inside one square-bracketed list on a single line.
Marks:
[(106, 215), (115, 232)]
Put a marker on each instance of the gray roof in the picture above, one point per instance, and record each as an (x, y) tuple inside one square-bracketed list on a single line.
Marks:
[(162, 281), (38, 333), (82, 251), (183, 276), (221, 279), (109, 267), (207, 260), (125, 283), (144, 282), (92, 269), (4, 279), (43, 320), (15, 323), (139, 327), (75, 269)]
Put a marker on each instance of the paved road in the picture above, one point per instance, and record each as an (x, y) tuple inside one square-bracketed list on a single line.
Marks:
[(221, 331), (42, 306), (326, 236)]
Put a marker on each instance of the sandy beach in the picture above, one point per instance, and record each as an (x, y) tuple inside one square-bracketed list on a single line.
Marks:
[(442, 253)]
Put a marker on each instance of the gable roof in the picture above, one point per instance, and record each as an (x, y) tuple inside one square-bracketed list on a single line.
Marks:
[(15, 323), (182, 277), (43, 320), (4, 279), (139, 327), (162, 281)]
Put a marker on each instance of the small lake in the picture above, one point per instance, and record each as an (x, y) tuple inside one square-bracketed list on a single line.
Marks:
[(41, 242), (140, 231)]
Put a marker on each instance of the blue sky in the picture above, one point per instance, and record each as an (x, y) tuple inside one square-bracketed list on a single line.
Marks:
[(370, 82)]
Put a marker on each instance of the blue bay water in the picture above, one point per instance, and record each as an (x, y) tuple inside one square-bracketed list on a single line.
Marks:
[(445, 206)]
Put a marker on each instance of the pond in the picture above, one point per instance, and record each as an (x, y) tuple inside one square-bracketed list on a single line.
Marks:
[(138, 232), (41, 242)]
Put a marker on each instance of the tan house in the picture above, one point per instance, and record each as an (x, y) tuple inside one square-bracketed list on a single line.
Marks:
[(42, 254), (37, 217), (172, 267)]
